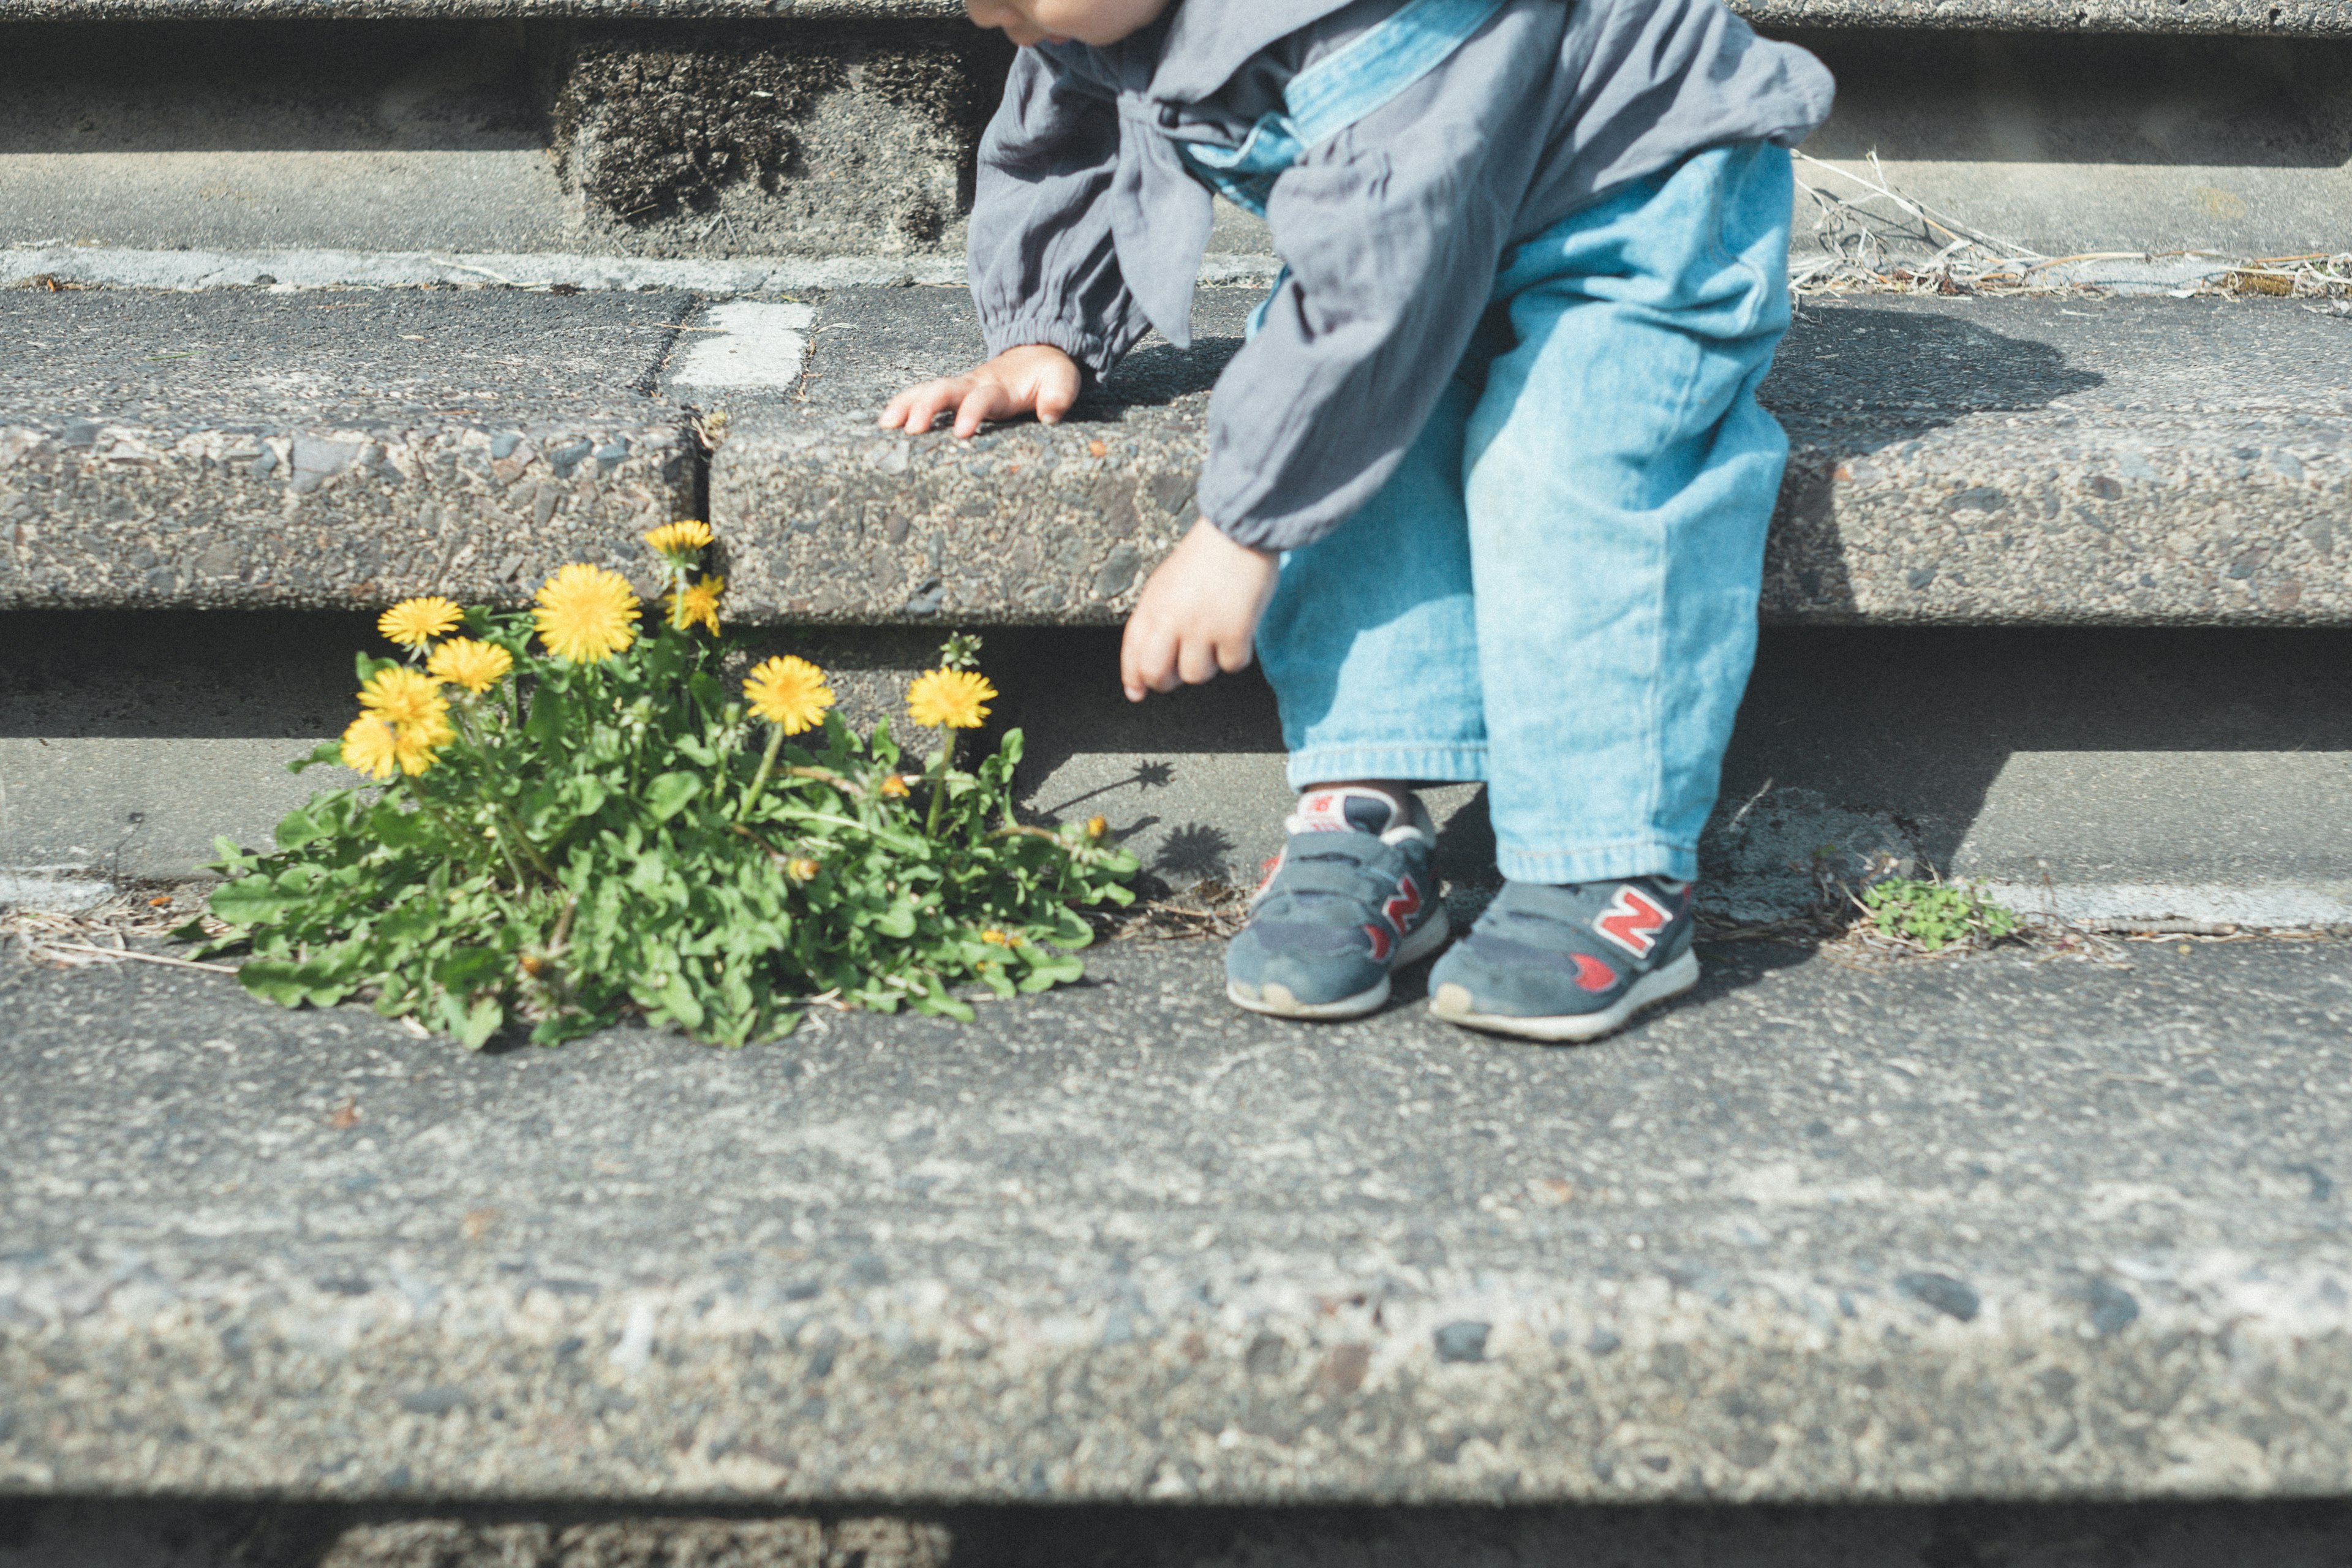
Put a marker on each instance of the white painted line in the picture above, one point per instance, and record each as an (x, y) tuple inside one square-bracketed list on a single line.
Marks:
[(2260, 905), (52, 893), (745, 342)]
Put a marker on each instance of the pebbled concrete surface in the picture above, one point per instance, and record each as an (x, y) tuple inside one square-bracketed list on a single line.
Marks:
[(1997, 1229), (249, 449), (1971, 461)]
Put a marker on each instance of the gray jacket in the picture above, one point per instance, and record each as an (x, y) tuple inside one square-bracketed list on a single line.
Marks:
[(1086, 229)]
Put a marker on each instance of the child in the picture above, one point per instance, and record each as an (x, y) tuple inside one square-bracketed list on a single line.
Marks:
[(1487, 486)]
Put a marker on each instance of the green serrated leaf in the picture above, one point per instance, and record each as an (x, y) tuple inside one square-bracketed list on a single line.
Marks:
[(250, 900), (297, 829), (672, 792)]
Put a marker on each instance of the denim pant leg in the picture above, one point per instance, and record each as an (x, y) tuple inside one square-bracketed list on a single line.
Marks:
[(1619, 478), (1370, 640)]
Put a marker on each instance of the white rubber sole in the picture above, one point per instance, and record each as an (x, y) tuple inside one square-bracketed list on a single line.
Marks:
[(1276, 1001), (1451, 1003)]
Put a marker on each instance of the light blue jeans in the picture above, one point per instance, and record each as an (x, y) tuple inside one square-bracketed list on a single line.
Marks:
[(1556, 594)]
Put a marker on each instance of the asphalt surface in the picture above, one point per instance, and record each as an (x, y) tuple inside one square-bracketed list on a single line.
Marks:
[(2005, 1226), (2216, 1067)]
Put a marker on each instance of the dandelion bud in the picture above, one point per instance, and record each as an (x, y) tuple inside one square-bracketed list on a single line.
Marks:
[(802, 869), (1096, 825), (894, 786)]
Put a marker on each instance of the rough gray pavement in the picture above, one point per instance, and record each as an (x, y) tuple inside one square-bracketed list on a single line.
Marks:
[(1970, 461), (1996, 1228), (248, 449)]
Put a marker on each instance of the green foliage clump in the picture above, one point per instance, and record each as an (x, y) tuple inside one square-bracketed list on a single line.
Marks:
[(1935, 914), (610, 835)]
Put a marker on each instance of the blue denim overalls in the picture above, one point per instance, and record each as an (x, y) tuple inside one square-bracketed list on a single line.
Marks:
[(1555, 593), (1330, 96)]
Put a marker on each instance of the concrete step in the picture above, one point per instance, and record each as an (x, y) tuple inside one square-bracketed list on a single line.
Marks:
[(843, 129), (444, 128), (238, 449), (1964, 465), (2201, 777), (1997, 1229), (1977, 461)]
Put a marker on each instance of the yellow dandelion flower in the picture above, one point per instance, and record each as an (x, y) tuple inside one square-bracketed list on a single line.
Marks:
[(894, 786), (953, 698), (801, 871), (678, 540), (698, 602), (370, 747), (413, 623), (1096, 825), (404, 696), (789, 692), (993, 937), (419, 744), (586, 614), (475, 666)]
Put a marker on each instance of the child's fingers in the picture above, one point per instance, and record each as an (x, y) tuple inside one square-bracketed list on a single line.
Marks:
[(1233, 654), (1146, 659), (1056, 393), (983, 402), (1197, 661), (915, 408)]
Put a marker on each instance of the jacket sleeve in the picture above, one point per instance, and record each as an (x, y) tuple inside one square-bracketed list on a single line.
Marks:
[(1044, 269), (1392, 231)]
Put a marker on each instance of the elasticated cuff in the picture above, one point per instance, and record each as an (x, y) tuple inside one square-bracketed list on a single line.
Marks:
[(1093, 350)]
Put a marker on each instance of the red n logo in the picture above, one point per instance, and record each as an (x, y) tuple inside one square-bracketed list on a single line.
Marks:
[(1403, 904), (1633, 921)]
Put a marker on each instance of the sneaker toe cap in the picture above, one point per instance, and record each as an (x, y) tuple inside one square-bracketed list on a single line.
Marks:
[(1311, 974), (1467, 980)]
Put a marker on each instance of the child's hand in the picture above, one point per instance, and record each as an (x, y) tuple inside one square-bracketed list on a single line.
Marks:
[(1198, 613), (1035, 378)]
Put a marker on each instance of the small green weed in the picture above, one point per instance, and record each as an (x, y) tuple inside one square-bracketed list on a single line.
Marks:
[(1933, 915)]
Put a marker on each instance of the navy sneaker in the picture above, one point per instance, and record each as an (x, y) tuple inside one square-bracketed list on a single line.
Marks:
[(1569, 962), (1349, 900)]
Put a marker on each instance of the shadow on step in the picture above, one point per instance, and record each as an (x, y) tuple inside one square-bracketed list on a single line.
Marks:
[(134, 1533), (2121, 754)]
